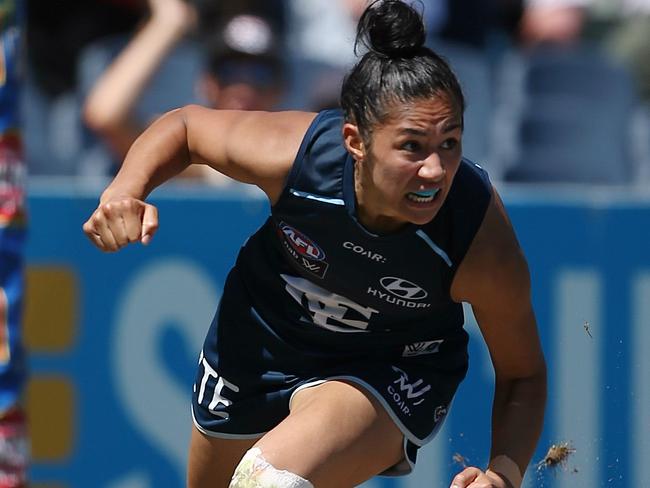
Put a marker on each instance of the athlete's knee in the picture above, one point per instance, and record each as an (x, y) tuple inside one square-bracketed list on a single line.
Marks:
[(253, 471)]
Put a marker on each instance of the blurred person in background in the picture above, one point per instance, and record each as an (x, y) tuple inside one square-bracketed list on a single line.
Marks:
[(621, 27), (212, 13), (322, 30), (243, 69), (320, 34), (57, 34), (14, 451)]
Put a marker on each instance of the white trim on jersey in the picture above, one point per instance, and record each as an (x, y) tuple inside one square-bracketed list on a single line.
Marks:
[(420, 233), (311, 196)]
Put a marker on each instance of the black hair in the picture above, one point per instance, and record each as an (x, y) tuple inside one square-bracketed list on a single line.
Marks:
[(397, 67)]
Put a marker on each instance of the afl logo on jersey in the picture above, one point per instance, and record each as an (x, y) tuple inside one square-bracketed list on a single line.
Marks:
[(402, 288), (301, 243), (303, 250)]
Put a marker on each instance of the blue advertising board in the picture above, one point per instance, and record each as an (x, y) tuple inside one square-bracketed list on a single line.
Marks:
[(117, 337)]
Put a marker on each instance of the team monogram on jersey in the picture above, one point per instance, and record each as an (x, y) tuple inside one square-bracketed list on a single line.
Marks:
[(329, 310), (407, 394), (303, 250), (401, 292)]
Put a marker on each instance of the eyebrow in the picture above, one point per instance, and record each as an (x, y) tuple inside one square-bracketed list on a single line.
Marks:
[(451, 126), (414, 132), (417, 132)]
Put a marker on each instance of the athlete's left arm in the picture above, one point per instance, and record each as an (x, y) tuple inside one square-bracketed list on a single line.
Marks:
[(495, 280)]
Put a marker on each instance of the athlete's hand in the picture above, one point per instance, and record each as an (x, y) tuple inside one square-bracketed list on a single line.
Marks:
[(119, 221), (475, 478)]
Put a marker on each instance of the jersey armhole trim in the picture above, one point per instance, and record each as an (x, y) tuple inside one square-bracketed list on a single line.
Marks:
[(420, 233), (297, 162)]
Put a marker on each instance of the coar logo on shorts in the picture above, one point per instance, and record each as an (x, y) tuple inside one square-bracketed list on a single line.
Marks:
[(402, 288), (406, 393)]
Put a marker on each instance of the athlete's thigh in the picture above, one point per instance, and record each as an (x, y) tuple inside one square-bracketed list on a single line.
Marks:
[(212, 461), (337, 434)]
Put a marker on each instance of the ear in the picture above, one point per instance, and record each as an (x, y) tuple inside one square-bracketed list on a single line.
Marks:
[(353, 141)]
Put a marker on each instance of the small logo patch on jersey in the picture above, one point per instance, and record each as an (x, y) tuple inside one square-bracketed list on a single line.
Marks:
[(439, 413), (303, 250), (422, 348)]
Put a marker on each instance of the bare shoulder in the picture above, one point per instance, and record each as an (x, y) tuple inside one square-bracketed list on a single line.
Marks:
[(495, 266), (276, 128), (249, 146)]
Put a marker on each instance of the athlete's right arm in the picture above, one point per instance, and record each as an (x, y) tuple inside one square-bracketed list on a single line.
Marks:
[(253, 147)]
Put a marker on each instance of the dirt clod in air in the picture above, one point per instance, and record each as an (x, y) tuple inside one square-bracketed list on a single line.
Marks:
[(557, 455)]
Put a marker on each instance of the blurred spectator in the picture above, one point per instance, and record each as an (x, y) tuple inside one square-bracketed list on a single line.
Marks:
[(108, 108), (14, 453), (56, 33), (212, 12), (474, 23), (622, 28), (243, 70), (552, 21), (321, 38), (324, 30)]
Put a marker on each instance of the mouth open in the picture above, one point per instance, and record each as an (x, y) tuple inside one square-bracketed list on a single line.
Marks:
[(424, 196)]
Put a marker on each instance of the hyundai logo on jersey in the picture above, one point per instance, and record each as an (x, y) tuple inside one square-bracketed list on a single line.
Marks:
[(402, 288), (400, 292)]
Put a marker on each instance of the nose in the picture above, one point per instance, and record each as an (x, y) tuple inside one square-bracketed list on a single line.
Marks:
[(432, 168)]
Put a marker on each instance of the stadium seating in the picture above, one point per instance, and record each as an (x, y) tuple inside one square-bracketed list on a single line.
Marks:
[(571, 112)]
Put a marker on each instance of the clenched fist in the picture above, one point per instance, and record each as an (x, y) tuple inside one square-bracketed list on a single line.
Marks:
[(119, 221), (475, 478)]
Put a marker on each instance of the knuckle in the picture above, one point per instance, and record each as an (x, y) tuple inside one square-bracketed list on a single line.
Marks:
[(130, 204), (97, 217), (106, 212)]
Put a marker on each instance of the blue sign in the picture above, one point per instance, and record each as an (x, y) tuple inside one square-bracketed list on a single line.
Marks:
[(120, 385)]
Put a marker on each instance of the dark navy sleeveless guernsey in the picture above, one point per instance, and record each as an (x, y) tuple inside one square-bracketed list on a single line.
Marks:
[(314, 297), (322, 281)]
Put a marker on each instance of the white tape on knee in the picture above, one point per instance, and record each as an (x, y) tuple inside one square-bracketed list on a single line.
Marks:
[(253, 471)]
